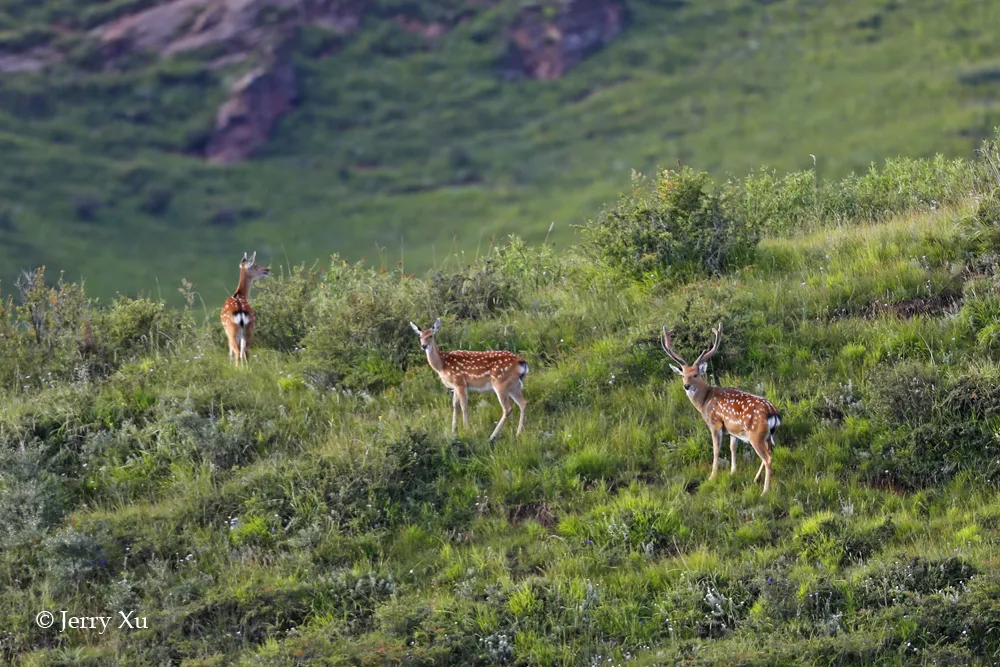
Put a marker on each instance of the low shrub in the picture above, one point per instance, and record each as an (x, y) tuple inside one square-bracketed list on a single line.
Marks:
[(933, 425), (361, 336), (56, 333), (673, 226), (474, 294), (774, 204), (288, 308)]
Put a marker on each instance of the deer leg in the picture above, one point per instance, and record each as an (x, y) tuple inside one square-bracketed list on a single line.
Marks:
[(732, 453), (454, 411), (505, 403), (716, 443), (231, 340), (463, 401), (521, 405), (764, 452), (247, 340)]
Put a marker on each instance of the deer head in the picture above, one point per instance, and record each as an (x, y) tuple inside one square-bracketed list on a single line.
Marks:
[(694, 374), (253, 270), (427, 335)]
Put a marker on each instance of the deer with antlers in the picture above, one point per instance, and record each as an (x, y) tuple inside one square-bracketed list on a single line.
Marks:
[(463, 371), (743, 416), (238, 318)]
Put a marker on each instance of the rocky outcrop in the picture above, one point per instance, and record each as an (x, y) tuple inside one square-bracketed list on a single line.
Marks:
[(233, 31), (256, 102), (230, 25), (545, 43), (30, 61)]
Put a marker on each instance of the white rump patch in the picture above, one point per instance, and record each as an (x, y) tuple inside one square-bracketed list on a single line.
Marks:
[(773, 422), (241, 318)]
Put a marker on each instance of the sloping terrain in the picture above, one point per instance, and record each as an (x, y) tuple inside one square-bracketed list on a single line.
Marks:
[(409, 132), (314, 509)]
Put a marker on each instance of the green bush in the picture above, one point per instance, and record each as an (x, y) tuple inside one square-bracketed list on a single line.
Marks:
[(473, 294), (131, 327), (55, 333), (31, 497), (287, 308), (774, 204), (906, 582), (361, 337), (779, 205), (901, 184), (530, 266), (74, 558), (673, 226), (933, 425)]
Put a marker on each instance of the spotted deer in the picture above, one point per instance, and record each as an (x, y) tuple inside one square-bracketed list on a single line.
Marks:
[(238, 318), (463, 371), (743, 416)]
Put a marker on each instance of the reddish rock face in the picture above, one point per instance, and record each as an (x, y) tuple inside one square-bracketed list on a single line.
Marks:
[(256, 101), (547, 43), (239, 25)]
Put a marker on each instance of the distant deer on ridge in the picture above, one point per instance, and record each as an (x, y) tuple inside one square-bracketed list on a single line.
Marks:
[(238, 318)]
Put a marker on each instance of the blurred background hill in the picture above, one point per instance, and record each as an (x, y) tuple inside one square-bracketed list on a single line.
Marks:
[(143, 141)]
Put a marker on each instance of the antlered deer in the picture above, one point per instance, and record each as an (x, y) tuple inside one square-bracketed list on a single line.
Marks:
[(238, 318), (463, 371), (744, 416)]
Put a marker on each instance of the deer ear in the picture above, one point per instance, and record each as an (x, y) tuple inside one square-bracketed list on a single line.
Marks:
[(244, 260), (703, 367), (416, 328), (253, 258), (437, 325), (676, 370)]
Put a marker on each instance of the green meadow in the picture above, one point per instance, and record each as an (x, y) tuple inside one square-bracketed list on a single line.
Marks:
[(314, 508), (418, 154)]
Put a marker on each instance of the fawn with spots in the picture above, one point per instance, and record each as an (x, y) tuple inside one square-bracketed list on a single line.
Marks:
[(742, 415), (238, 318), (463, 371)]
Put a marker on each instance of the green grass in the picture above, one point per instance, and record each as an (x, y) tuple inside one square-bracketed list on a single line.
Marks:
[(372, 163), (314, 508)]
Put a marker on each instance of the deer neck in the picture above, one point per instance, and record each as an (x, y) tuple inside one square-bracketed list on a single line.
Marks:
[(434, 357), (243, 289), (702, 393)]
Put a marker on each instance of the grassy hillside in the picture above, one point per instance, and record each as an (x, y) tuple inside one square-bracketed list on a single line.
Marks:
[(421, 149), (314, 508)]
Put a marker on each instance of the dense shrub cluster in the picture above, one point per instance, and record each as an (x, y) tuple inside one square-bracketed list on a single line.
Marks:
[(351, 323), (782, 204), (56, 333), (673, 226), (934, 424)]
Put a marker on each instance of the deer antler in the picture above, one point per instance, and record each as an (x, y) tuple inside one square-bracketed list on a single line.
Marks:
[(665, 343), (707, 354)]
